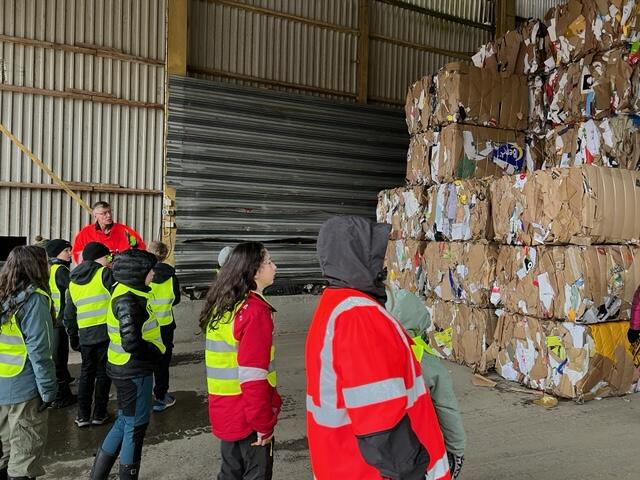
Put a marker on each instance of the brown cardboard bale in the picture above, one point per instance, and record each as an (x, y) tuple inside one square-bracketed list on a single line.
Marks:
[(403, 208), (537, 105), (461, 333), (565, 359), (403, 260), (572, 283), (595, 87), (570, 29), (459, 211), (461, 272), (578, 205), (470, 151), (419, 105), (421, 148), (467, 94), (611, 142)]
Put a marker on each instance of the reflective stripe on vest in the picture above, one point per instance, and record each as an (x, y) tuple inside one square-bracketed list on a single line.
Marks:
[(150, 328), (162, 298), (327, 414), (13, 350), (91, 301), (224, 375), (53, 286)]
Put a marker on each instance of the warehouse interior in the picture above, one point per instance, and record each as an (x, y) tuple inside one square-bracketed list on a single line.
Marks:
[(499, 139)]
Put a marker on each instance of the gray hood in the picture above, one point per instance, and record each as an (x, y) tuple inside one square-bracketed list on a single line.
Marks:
[(409, 310), (351, 251)]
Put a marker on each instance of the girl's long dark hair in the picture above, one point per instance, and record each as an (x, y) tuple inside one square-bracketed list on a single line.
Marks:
[(233, 283), (26, 265)]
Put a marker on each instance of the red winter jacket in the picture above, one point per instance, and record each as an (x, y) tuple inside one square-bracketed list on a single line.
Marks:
[(635, 311), (119, 239), (256, 409)]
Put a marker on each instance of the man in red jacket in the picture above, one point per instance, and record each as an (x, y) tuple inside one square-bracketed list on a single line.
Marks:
[(117, 237), (369, 413)]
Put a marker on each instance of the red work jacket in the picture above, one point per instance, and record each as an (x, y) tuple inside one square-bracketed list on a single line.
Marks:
[(362, 378), (119, 239)]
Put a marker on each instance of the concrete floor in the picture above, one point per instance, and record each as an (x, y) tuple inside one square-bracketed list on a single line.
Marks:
[(509, 436)]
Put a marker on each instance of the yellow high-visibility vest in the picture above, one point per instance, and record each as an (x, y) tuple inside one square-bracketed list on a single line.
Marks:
[(221, 358), (91, 301), (162, 298), (56, 295), (13, 349), (116, 355)]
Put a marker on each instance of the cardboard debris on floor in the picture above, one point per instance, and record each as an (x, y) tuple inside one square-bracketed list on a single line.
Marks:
[(578, 205), (577, 284), (563, 358), (403, 208), (459, 211), (611, 142), (460, 271), (467, 94), (461, 333), (403, 261)]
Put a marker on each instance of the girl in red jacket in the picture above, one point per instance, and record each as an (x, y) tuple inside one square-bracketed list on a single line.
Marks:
[(241, 379)]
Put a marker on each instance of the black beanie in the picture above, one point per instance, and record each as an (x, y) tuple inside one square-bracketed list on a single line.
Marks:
[(94, 251), (131, 267), (55, 246)]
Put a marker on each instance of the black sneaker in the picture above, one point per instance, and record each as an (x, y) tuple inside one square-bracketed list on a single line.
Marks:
[(82, 422), (100, 419)]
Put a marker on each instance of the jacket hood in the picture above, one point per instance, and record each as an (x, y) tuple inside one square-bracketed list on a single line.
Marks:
[(409, 310), (17, 300), (57, 261), (351, 251), (131, 268), (84, 272), (163, 272)]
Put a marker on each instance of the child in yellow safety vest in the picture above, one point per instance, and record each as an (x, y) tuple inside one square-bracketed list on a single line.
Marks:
[(85, 318), (165, 290), (27, 374), (59, 253)]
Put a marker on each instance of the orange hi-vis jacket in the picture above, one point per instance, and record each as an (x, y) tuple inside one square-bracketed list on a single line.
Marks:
[(362, 379)]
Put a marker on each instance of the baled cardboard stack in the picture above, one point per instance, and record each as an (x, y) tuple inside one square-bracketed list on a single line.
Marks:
[(527, 253)]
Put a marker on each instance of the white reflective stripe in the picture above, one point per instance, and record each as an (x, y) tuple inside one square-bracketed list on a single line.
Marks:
[(375, 392), (116, 348), (415, 392), (149, 326), (11, 359), (222, 373), (10, 339), (326, 415), (55, 295), (249, 374), (220, 347), (162, 301), (92, 313), (111, 329), (439, 469), (94, 299), (163, 314)]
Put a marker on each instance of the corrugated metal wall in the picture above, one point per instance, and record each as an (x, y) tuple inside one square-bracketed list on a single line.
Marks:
[(535, 8), (82, 86), (251, 164), (240, 42)]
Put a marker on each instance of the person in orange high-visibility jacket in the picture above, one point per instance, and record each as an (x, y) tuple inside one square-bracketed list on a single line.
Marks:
[(369, 413)]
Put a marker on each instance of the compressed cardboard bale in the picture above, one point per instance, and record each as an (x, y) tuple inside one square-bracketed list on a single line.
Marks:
[(611, 142), (461, 333), (565, 359), (403, 260), (522, 51), (578, 205), (419, 105), (459, 211), (577, 284), (467, 94), (470, 151), (403, 208), (460, 271), (421, 148), (595, 87), (537, 105)]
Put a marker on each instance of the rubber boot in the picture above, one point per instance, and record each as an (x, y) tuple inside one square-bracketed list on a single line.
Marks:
[(129, 472), (102, 465)]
